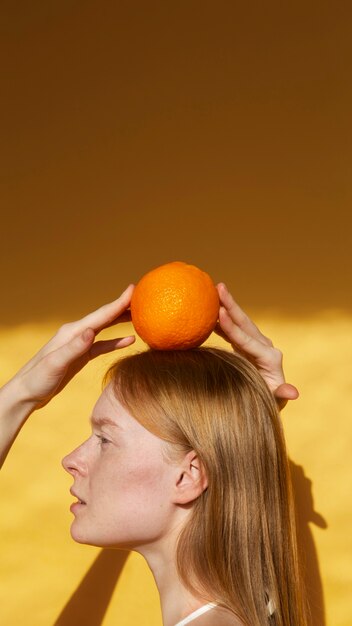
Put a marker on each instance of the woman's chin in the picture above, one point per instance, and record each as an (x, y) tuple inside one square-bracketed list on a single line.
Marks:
[(79, 536)]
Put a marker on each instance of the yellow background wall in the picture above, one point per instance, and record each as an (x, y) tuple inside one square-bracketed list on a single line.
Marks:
[(138, 133)]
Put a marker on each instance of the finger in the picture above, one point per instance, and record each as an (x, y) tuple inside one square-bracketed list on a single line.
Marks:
[(239, 338), (107, 314), (122, 319), (62, 357), (103, 347), (286, 392), (219, 331), (238, 316)]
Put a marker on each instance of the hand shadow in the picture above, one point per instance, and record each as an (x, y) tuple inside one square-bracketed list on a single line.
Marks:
[(305, 513), (89, 602)]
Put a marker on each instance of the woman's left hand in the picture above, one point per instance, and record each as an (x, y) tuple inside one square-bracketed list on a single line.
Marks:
[(245, 337)]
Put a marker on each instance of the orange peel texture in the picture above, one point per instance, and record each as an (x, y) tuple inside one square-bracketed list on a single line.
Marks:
[(175, 307)]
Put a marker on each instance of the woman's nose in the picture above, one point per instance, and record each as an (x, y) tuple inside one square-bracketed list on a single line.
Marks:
[(74, 463)]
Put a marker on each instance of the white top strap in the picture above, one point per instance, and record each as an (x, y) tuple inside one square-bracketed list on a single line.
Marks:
[(195, 614), (211, 605)]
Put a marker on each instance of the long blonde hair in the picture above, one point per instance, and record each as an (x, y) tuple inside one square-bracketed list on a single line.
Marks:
[(239, 547)]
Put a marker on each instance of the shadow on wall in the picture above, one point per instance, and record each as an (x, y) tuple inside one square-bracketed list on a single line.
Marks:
[(90, 600), (305, 513)]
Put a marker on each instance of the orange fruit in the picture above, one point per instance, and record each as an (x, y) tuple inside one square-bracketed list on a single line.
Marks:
[(175, 307)]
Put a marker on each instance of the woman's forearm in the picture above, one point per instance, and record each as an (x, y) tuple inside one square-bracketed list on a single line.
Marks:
[(15, 408)]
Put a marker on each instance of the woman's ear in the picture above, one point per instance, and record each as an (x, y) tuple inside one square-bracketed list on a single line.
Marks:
[(190, 480)]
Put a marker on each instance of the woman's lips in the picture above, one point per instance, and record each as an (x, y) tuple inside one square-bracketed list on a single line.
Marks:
[(77, 506)]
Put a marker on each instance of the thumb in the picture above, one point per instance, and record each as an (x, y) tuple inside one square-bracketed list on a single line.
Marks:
[(285, 392)]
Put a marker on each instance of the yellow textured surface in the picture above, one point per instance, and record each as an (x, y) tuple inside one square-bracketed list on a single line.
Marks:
[(47, 578)]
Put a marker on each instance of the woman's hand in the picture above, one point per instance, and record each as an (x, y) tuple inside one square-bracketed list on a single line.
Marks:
[(56, 363), (245, 337), (49, 371)]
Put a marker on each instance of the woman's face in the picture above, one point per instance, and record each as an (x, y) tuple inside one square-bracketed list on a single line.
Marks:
[(123, 480)]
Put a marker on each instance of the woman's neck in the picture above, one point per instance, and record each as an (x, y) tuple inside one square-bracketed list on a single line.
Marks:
[(175, 600)]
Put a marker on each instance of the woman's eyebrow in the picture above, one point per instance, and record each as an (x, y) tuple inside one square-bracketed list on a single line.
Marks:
[(103, 421)]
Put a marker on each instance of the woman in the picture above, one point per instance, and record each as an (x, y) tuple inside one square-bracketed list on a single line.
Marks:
[(186, 464)]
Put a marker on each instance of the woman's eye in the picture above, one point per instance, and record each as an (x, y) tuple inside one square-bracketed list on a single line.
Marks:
[(102, 440)]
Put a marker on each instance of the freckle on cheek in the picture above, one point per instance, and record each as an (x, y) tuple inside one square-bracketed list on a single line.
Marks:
[(143, 473)]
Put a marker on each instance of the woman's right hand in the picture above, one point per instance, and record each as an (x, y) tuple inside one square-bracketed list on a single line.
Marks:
[(49, 371)]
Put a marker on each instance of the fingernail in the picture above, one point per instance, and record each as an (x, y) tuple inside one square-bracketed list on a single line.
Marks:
[(125, 341), (127, 288)]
